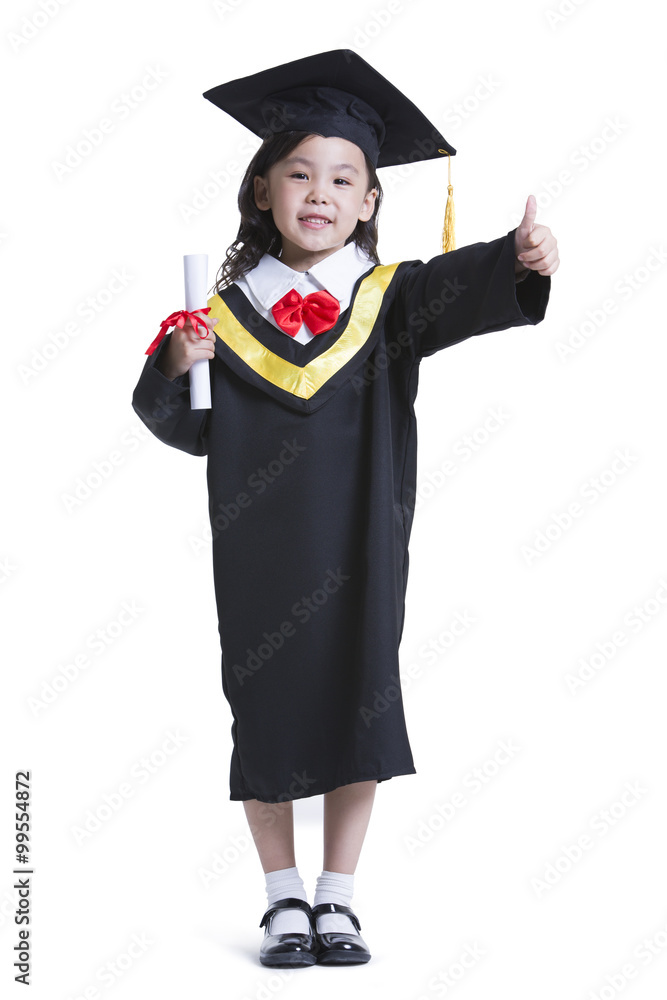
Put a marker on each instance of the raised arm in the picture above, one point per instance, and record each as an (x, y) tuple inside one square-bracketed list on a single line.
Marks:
[(475, 289)]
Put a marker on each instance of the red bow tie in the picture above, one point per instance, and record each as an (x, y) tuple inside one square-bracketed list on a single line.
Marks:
[(318, 310)]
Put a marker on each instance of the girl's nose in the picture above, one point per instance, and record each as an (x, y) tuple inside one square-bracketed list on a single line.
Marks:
[(316, 194)]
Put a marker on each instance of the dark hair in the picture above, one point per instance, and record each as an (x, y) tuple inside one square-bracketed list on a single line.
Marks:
[(258, 233)]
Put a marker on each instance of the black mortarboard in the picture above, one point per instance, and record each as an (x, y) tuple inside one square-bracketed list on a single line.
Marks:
[(337, 93)]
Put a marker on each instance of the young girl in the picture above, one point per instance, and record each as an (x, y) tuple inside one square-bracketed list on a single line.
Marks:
[(315, 350)]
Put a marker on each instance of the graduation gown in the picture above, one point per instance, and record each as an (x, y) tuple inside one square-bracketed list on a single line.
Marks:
[(311, 470)]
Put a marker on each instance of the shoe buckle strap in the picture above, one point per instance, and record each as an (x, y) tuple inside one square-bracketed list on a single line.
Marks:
[(281, 904), (336, 908)]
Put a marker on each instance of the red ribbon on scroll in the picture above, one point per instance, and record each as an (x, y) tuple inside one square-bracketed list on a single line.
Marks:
[(178, 319)]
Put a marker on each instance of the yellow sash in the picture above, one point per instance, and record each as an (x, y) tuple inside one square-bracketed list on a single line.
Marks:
[(306, 381)]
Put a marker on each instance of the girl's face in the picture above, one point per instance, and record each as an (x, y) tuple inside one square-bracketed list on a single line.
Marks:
[(317, 194)]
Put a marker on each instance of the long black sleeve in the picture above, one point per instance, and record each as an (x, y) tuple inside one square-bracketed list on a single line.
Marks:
[(164, 406), (467, 292)]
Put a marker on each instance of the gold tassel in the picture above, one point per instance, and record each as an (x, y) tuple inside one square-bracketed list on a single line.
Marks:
[(448, 237)]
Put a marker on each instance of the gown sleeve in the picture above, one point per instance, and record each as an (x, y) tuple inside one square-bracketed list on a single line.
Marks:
[(164, 406), (466, 292)]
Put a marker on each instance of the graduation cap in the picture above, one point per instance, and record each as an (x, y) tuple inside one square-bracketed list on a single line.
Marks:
[(337, 93)]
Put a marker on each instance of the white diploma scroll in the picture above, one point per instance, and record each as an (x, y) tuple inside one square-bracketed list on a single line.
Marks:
[(195, 269)]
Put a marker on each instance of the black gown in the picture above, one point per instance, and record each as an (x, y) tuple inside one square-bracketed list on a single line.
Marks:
[(312, 454)]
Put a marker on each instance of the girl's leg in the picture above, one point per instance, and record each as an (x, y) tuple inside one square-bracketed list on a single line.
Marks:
[(272, 828), (347, 811)]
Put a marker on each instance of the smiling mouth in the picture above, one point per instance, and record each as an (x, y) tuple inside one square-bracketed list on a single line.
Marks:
[(315, 220)]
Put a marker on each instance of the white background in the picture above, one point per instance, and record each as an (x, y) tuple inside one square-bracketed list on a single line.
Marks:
[(537, 91)]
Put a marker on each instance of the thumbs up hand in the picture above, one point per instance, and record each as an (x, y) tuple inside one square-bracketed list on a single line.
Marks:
[(535, 246)]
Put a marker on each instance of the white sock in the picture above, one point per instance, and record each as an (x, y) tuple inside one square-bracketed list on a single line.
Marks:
[(334, 887), (280, 884)]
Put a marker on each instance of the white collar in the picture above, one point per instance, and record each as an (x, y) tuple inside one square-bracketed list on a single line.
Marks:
[(271, 279)]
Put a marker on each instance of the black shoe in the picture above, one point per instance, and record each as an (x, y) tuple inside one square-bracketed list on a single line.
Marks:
[(335, 947), (288, 950)]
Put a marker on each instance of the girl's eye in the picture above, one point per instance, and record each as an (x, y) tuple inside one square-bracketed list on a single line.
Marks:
[(299, 173)]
